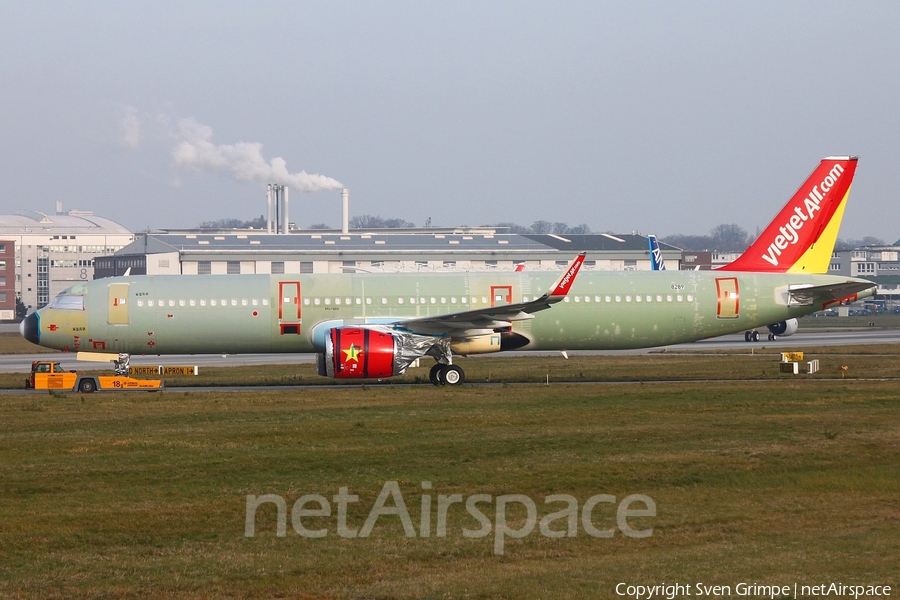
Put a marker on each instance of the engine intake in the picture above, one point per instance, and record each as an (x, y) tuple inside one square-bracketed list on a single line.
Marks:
[(784, 328)]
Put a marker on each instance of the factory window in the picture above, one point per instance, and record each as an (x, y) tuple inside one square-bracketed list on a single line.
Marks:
[(449, 264), (233, 267), (306, 266), (204, 267), (278, 267), (834, 267), (2, 247), (2, 265), (2, 296), (3, 280)]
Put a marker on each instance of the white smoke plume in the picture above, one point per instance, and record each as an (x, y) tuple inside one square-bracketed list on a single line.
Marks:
[(244, 160)]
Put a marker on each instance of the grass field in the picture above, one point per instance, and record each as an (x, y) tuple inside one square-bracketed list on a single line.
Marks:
[(144, 495)]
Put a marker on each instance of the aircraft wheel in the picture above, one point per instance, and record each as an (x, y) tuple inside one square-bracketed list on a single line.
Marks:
[(435, 374), (755, 336), (746, 336), (772, 337), (452, 375), (87, 386)]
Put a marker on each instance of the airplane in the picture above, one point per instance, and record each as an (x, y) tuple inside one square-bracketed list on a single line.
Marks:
[(374, 326)]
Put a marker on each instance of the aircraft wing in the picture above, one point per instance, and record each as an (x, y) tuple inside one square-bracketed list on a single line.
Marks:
[(485, 320), (828, 294)]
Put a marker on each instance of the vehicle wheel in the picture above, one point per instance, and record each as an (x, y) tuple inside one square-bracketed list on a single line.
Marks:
[(746, 336), (771, 337), (87, 386), (435, 374), (755, 336), (453, 375)]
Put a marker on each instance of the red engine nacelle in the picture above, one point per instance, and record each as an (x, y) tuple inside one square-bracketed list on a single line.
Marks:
[(357, 353)]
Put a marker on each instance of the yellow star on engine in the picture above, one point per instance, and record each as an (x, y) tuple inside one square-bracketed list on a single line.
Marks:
[(351, 353)]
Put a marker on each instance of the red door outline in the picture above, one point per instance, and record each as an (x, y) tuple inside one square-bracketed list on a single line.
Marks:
[(289, 321), (728, 298), (506, 293)]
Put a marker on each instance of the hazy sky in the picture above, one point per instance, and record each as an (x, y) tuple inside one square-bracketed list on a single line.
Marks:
[(664, 117)]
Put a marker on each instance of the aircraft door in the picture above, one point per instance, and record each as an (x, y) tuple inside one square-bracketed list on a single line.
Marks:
[(501, 294), (117, 307), (728, 306), (289, 307)]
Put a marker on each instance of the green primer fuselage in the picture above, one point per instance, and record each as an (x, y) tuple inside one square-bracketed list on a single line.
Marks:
[(236, 314)]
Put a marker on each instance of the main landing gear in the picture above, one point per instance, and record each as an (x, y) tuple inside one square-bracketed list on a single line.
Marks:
[(447, 375), (753, 336)]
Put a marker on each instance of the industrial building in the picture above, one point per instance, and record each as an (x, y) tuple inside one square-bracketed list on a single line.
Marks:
[(43, 254), (376, 251)]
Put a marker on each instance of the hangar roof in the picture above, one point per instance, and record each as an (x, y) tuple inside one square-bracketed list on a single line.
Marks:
[(373, 241), (72, 223)]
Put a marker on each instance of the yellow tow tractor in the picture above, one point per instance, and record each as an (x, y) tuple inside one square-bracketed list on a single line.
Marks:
[(47, 375)]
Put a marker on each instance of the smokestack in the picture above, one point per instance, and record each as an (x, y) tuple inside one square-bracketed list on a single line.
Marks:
[(59, 207), (287, 221), (345, 211), (269, 208)]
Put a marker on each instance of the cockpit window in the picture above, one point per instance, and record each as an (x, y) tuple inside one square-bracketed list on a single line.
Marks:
[(68, 302)]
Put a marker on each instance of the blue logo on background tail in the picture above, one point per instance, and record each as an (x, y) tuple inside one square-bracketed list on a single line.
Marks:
[(656, 258)]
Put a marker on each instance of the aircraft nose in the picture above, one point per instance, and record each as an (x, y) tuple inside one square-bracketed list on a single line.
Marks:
[(28, 328)]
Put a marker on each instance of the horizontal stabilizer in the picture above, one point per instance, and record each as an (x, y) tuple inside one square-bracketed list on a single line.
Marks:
[(825, 295)]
